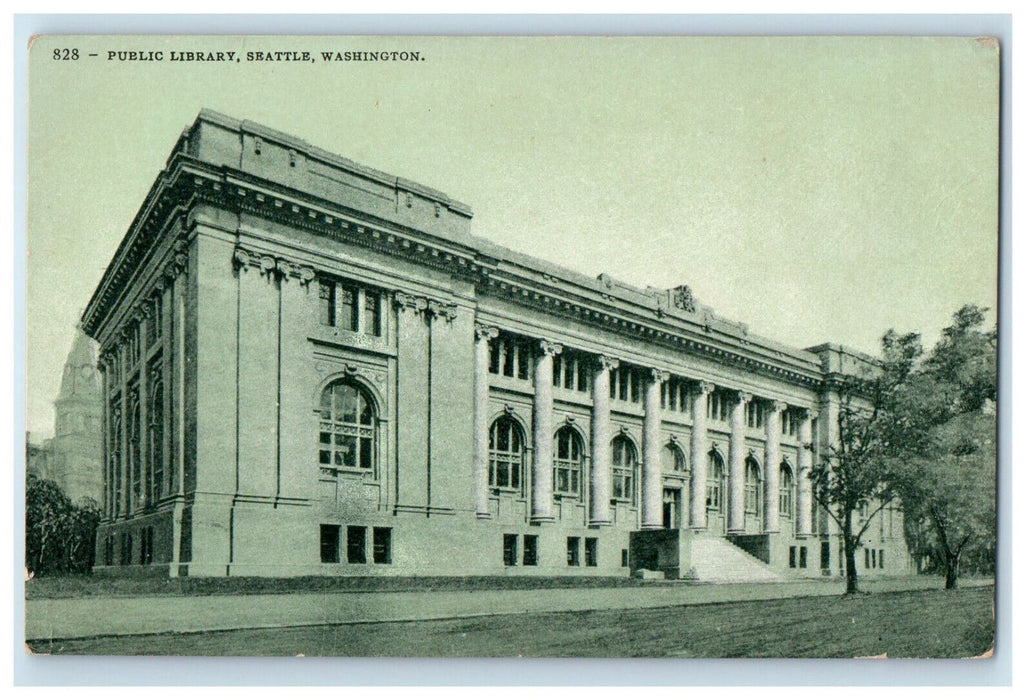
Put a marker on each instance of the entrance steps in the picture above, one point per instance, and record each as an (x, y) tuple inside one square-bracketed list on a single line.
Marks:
[(716, 560)]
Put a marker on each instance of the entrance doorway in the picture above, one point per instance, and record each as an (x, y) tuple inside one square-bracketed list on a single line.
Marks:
[(672, 509)]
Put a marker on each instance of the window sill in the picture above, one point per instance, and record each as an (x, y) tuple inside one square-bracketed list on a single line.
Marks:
[(331, 474)]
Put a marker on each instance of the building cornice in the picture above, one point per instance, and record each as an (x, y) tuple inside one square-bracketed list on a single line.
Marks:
[(669, 318)]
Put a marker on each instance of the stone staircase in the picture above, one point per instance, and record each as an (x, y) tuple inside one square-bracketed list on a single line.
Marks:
[(716, 560)]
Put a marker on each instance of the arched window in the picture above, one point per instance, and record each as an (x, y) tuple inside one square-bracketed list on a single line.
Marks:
[(155, 442), (672, 459), (623, 462), (347, 421), (785, 489), (133, 462), (115, 464), (567, 456), (505, 454), (715, 482), (752, 485)]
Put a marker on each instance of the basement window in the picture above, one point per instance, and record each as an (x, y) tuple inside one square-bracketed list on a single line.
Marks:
[(381, 545), (356, 544), (509, 549), (330, 544), (591, 551), (573, 551), (530, 550)]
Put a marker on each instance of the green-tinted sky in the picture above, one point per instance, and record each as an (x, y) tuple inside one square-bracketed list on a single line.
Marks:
[(819, 189)]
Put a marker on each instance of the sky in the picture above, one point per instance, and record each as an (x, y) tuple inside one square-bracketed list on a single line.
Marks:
[(820, 189)]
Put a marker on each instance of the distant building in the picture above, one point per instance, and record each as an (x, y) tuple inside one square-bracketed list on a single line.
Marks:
[(73, 458), (312, 367)]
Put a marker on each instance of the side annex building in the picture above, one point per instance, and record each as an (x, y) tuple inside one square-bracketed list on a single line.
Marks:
[(313, 368)]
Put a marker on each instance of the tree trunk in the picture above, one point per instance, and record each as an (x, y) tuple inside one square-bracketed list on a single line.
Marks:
[(953, 564), (848, 551)]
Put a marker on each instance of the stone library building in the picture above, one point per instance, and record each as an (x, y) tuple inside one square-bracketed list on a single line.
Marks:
[(311, 367)]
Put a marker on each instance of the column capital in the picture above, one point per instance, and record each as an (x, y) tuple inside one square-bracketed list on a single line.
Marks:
[(547, 347), (743, 397), (484, 332), (776, 405), (658, 375), (704, 387), (607, 363), (809, 412)]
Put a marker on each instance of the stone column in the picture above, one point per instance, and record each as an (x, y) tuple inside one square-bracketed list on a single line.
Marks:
[(482, 337), (772, 438), (601, 481), (804, 462), (541, 487), (652, 474), (737, 464), (698, 457)]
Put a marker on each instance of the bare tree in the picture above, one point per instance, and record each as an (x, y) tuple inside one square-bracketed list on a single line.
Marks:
[(858, 466)]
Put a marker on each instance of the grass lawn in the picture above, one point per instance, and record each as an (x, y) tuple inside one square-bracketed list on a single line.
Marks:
[(52, 587), (913, 624)]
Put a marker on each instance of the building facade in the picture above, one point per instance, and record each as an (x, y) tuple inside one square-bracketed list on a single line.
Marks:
[(72, 458), (312, 367)]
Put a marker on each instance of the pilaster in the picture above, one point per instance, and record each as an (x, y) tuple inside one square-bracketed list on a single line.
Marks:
[(652, 476), (601, 482), (541, 487), (772, 437), (804, 461), (698, 457), (482, 339), (737, 464)]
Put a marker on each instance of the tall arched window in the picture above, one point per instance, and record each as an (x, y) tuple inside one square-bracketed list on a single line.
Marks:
[(623, 463), (752, 485), (672, 459), (115, 463), (505, 454), (567, 455), (347, 428), (155, 441), (785, 489), (133, 439), (715, 482)]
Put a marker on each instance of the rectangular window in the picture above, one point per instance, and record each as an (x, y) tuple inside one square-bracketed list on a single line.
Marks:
[(573, 551), (530, 550), (147, 545), (523, 361), (792, 557), (356, 544), (330, 544), (347, 316), (624, 558), (866, 557), (125, 554), (381, 545), (591, 551), (494, 356), (372, 319), (882, 560), (803, 557), (328, 303), (509, 549)]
